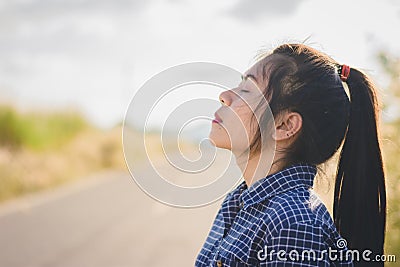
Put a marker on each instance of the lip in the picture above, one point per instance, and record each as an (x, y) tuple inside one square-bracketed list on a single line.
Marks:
[(217, 118)]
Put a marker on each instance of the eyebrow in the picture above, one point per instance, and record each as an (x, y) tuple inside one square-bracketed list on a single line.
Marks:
[(249, 76)]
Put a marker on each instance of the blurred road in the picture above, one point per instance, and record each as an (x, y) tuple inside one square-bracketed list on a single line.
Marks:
[(104, 220)]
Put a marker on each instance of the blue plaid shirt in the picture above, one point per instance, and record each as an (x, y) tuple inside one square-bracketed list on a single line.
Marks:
[(278, 221)]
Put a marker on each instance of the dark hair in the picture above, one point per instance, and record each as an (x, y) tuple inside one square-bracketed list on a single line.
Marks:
[(304, 80)]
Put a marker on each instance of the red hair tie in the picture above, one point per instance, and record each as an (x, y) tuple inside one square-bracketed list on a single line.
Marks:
[(344, 72)]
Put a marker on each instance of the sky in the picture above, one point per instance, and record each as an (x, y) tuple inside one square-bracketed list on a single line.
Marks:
[(93, 55)]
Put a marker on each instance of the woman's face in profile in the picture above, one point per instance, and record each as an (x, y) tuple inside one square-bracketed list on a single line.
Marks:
[(236, 121)]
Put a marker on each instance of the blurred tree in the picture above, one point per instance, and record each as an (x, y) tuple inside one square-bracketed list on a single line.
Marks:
[(391, 149), (391, 67)]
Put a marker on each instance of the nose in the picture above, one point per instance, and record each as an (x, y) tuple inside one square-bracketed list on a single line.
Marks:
[(225, 98)]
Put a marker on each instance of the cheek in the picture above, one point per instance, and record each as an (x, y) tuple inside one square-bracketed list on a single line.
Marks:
[(236, 131), (246, 121)]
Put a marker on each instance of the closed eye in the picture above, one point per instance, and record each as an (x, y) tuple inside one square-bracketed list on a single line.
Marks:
[(245, 77)]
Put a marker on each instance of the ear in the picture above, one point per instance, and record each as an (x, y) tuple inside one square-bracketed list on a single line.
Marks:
[(287, 125)]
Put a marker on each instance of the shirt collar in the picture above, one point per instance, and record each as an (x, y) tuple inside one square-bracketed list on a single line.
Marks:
[(277, 183)]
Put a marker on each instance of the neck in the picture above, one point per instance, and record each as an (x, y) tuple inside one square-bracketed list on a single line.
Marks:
[(258, 166)]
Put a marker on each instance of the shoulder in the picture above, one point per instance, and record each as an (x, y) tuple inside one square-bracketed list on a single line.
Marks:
[(298, 222), (231, 201), (299, 207)]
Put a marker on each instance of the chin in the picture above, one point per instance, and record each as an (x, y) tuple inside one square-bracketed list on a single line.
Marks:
[(219, 141)]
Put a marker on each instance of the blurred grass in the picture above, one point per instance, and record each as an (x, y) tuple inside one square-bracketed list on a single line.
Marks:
[(38, 131), (41, 150)]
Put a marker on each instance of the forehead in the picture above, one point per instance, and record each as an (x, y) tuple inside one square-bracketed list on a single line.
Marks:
[(259, 70)]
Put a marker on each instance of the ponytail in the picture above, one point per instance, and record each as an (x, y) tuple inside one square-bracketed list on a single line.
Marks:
[(360, 196)]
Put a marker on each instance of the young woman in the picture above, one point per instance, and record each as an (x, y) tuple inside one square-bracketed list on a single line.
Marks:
[(273, 218)]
